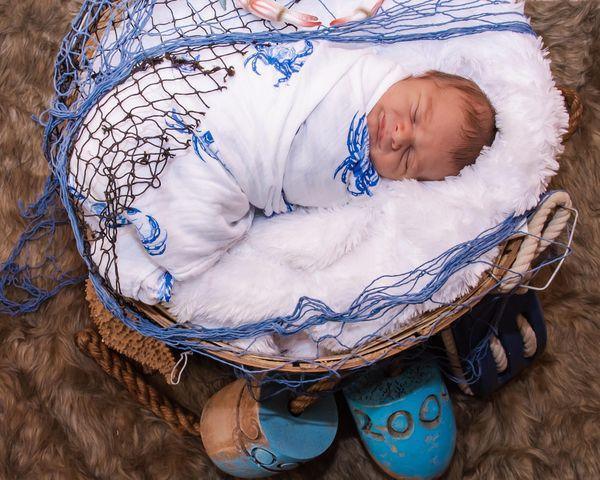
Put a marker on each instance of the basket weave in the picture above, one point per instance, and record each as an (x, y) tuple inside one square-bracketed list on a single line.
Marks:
[(514, 257), (156, 356), (150, 352)]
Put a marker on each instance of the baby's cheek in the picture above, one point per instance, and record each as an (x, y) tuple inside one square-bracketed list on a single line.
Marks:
[(385, 165), (376, 162)]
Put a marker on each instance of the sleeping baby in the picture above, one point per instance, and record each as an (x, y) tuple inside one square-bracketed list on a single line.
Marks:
[(308, 124)]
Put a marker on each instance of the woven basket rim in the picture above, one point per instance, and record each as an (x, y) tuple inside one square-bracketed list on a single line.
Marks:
[(421, 328), (430, 323)]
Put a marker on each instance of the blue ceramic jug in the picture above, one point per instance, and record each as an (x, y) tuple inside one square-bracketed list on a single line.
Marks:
[(405, 421)]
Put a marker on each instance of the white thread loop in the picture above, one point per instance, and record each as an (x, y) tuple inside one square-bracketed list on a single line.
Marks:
[(179, 371)]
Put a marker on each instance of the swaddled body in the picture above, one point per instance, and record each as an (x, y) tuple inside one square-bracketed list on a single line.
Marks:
[(293, 128), (301, 138), (289, 130)]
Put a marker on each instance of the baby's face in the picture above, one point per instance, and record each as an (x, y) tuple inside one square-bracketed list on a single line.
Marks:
[(413, 129)]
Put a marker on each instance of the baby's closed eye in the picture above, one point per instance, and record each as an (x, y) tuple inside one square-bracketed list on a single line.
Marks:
[(414, 118)]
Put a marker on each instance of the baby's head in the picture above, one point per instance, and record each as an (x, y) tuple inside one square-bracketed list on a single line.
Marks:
[(429, 127)]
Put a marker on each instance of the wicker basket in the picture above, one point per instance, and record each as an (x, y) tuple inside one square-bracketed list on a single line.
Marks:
[(511, 266), (511, 269)]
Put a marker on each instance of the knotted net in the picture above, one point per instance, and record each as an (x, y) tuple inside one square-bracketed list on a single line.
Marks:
[(117, 68)]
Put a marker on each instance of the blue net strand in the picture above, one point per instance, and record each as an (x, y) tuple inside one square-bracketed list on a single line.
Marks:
[(310, 312), (20, 289), (111, 42)]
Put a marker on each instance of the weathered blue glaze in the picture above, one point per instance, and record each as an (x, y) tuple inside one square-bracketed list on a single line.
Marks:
[(302, 437), (405, 422), (259, 439)]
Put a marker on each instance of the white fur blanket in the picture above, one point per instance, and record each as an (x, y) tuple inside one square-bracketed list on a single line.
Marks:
[(333, 254)]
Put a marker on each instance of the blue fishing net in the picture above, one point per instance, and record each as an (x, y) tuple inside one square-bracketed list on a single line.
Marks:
[(124, 47)]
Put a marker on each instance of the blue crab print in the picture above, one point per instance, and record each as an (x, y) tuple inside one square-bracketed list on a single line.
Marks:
[(153, 238), (357, 165), (165, 288), (177, 124), (97, 208), (202, 141), (284, 59)]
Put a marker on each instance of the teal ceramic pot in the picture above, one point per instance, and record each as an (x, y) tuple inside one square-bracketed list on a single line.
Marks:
[(406, 421), (250, 439)]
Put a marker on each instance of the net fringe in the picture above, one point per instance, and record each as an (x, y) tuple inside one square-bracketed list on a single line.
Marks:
[(110, 41)]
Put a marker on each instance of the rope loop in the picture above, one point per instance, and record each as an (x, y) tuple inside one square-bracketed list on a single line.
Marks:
[(499, 354), (575, 108), (300, 403), (529, 338), (543, 227), (122, 370)]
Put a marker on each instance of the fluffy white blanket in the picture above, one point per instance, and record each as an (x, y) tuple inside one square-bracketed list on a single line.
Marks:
[(333, 254)]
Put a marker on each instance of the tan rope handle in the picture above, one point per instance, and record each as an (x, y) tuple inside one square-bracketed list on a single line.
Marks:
[(454, 361), (575, 109), (300, 403), (497, 350), (555, 226), (498, 354), (529, 338), (557, 207), (122, 370)]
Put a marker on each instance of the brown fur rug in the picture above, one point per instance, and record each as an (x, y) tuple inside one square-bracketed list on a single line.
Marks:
[(62, 417)]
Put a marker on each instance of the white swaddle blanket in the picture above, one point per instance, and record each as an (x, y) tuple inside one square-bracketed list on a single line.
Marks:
[(290, 129), (333, 254)]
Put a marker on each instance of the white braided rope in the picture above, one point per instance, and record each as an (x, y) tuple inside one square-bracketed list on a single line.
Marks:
[(496, 348), (455, 366), (499, 354), (541, 233), (529, 338)]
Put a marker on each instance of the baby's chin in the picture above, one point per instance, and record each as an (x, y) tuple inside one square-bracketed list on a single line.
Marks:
[(380, 167)]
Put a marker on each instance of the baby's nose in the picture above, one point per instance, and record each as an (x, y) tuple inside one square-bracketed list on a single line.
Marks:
[(402, 134)]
